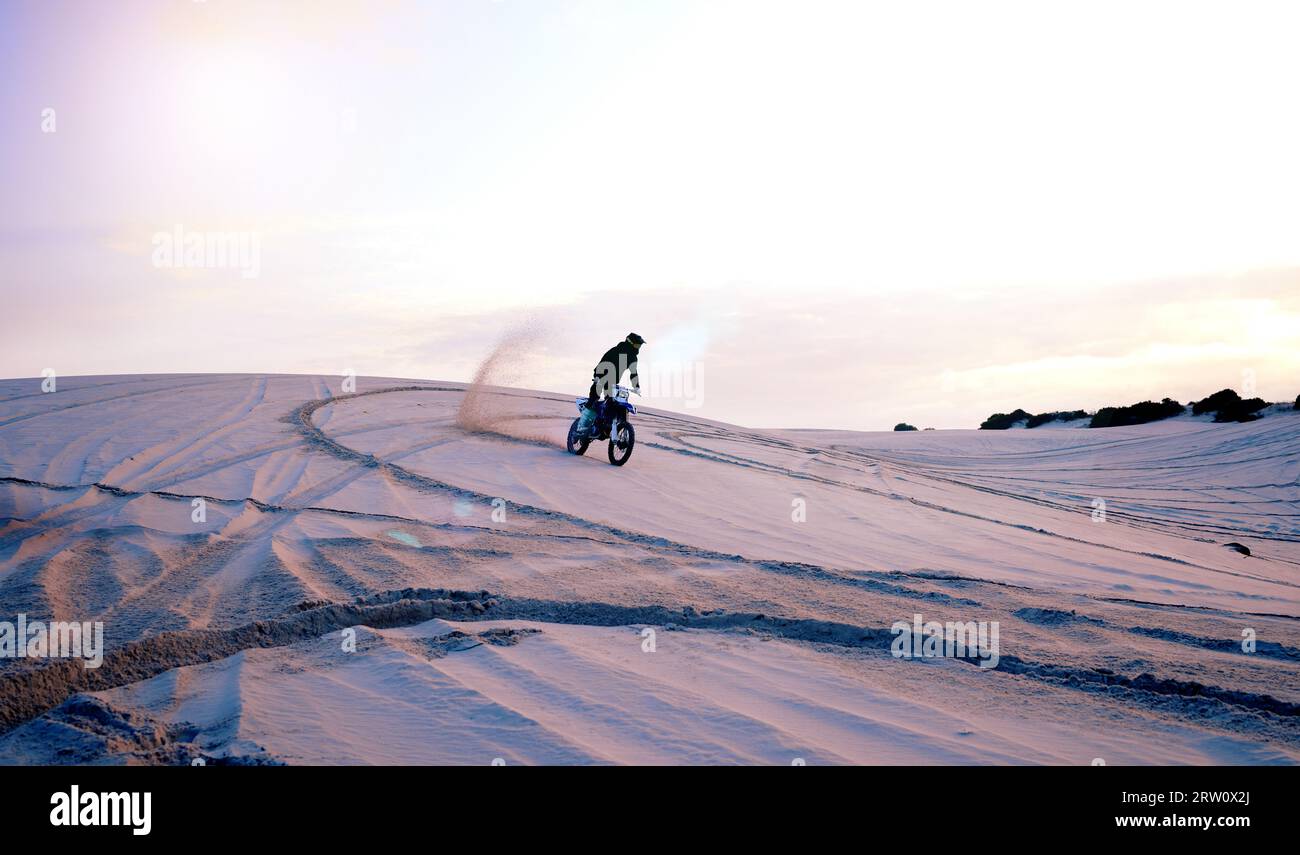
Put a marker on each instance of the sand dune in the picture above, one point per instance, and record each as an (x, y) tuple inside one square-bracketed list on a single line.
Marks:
[(520, 635)]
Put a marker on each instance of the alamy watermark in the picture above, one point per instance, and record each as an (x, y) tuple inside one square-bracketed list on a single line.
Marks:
[(665, 380), (180, 248), (129, 809), (960, 640), (57, 640)]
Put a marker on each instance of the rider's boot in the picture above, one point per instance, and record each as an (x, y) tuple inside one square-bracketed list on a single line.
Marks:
[(587, 423)]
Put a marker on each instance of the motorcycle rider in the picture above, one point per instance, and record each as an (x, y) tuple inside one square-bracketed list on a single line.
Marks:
[(619, 359)]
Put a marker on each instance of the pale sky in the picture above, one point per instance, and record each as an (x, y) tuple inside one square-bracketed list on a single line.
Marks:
[(836, 214)]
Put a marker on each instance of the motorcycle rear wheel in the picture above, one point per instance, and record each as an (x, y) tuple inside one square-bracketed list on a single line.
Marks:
[(576, 444)]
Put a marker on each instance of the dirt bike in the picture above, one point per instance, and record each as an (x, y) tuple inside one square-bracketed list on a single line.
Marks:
[(608, 420)]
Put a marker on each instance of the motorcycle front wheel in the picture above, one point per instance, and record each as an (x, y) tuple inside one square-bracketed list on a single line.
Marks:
[(621, 440)]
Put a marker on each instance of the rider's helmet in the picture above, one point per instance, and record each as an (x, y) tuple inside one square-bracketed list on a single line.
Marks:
[(635, 340)]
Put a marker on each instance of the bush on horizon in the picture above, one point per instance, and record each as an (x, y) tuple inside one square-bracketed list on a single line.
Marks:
[(903, 426), (1228, 406), (1059, 416), (1136, 414), (1002, 421)]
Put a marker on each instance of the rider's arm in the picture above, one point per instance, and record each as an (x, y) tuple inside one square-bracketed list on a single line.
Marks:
[(632, 376)]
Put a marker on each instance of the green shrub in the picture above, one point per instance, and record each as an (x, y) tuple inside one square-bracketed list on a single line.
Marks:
[(1062, 416), (1135, 414), (1216, 402), (1002, 421), (1228, 406), (903, 426)]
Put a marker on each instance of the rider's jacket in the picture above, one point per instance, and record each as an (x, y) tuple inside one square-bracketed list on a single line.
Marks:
[(618, 359)]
